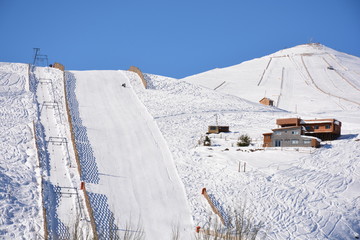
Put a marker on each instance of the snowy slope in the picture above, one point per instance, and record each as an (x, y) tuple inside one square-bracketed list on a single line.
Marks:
[(297, 79), (20, 197), (64, 203), (136, 174), (305, 194)]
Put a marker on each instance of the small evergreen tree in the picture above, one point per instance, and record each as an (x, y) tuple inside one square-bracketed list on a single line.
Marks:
[(244, 141), (207, 141)]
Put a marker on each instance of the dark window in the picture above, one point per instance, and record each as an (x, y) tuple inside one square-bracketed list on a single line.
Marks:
[(316, 127), (308, 128), (327, 126), (212, 128)]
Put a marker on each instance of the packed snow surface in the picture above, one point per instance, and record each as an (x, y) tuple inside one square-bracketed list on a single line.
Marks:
[(64, 203), (135, 168)]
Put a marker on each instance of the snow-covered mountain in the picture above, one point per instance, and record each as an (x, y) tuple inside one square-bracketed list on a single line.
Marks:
[(306, 78), (140, 155)]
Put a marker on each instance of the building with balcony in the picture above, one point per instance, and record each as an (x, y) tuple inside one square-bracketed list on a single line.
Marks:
[(295, 132)]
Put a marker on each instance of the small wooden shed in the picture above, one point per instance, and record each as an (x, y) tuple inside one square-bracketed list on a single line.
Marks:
[(267, 101), (218, 129)]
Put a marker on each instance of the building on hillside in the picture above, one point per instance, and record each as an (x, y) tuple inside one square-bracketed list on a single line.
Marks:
[(290, 137), (325, 129), (267, 101), (218, 129), (295, 132)]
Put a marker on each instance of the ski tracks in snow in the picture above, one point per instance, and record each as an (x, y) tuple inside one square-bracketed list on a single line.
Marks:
[(321, 89), (306, 199), (20, 207)]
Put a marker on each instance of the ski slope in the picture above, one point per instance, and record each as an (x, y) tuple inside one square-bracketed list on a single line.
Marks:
[(296, 79), (136, 173), (63, 202)]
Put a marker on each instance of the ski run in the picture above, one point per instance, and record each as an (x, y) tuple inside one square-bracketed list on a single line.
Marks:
[(94, 154)]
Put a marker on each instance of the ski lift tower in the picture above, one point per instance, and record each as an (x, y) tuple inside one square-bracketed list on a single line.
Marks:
[(40, 59)]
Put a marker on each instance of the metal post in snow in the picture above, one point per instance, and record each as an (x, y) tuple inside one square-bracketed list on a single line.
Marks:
[(244, 166), (239, 166)]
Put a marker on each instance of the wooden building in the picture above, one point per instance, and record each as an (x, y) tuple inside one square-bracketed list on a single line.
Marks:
[(267, 101), (290, 137), (325, 129), (218, 129), (267, 140), (295, 132)]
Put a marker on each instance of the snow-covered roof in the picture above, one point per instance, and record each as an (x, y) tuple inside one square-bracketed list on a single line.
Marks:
[(316, 122), (311, 137), (266, 98)]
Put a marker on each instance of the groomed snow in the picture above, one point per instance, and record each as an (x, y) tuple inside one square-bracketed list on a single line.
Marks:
[(63, 201), (135, 167)]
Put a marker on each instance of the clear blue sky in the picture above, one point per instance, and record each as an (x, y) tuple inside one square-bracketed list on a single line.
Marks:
[(171, 38)]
